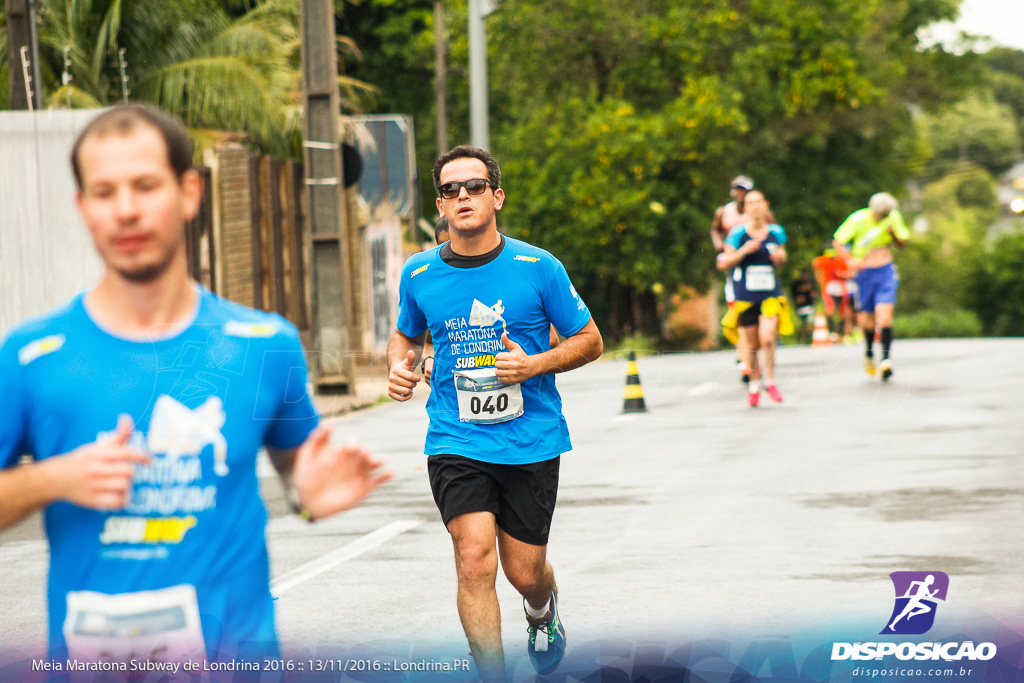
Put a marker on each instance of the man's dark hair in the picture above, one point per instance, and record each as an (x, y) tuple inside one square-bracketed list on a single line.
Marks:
[(440, 226), (123, 118), (468, 152)]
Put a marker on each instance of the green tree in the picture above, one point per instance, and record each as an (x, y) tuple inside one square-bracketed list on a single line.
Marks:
[(190, 57), (996, 288), (960, 208), (396, 42), (1006, 80), (938, 268), (810, 98), (219, 65), (977, 129), (618, 123)]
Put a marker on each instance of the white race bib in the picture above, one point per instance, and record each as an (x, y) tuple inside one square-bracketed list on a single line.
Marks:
[(484, 399), (760, 278), (834, 288), (159, 625)]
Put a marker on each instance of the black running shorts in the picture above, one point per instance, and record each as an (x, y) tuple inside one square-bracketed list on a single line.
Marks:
[(751, 316), (521, 497)]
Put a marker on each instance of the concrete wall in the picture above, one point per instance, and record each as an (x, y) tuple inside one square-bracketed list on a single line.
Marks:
[(46, 254)]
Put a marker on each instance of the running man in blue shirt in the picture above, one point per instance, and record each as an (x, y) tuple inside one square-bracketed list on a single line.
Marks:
[(142, 405), (496, 426)]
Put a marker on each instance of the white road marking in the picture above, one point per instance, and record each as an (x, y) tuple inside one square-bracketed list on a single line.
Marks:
[(289, 580), (264, 468), (702, 389), (15, 550)]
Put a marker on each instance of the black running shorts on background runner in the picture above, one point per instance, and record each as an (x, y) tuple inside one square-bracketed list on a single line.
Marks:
[(751, 316), (521, 497)]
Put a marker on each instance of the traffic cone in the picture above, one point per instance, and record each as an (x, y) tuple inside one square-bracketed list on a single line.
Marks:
[(634, 395), (820, 338)]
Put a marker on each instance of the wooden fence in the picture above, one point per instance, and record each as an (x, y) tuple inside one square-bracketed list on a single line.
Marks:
[(247, 244)]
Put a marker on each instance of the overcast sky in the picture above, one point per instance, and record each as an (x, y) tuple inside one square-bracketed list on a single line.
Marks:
[(1003, 20)]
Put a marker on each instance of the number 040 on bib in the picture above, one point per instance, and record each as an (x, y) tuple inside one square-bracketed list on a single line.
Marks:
[(485, 399)]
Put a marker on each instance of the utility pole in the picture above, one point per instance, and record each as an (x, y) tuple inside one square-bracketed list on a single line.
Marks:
[(332, 361), (440, 78), (23, 55), (479, 133)]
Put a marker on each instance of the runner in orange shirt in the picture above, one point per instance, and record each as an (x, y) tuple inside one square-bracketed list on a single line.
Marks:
[(837, 292)]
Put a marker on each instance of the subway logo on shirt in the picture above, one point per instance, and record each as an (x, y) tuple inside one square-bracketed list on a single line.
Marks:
[(467, 362)]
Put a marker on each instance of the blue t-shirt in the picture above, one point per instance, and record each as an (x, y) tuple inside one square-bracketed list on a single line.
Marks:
[(204, 401), (466, 310), (754, 278)]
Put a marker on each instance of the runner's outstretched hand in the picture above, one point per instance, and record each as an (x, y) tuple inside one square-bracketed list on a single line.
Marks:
[(331, 478), (402, 380)]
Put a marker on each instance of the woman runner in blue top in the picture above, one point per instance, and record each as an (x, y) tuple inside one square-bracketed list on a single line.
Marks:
[(751, 252)]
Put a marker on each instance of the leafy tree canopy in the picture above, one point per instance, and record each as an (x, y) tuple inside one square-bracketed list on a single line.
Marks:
[(225, 65), (620, 122), (977, 129), (996, 288)]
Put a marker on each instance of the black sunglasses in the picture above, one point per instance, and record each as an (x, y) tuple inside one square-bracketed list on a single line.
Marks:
[(473, 186)]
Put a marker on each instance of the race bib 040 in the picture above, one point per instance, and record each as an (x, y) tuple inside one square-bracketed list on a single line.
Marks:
[(485, 399)]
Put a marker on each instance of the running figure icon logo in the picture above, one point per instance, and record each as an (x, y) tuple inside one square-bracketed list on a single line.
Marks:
[(917, 597), (177, 431), (482, 315)]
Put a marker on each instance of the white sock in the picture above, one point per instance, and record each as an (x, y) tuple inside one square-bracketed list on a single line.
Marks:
[(754, 386), (537, 613)]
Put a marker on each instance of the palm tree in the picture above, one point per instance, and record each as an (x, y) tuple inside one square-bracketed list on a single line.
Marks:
[(216, 70), (5, 95)]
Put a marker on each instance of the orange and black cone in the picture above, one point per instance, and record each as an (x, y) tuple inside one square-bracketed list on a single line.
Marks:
[(634, 395)]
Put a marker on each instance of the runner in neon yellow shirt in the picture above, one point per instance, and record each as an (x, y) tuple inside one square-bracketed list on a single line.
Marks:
[(871, 232)]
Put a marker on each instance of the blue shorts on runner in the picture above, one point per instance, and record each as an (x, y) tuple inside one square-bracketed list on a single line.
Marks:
[(876, 286)]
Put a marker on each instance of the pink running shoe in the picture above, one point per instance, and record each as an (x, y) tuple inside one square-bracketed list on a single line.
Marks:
[(774, 392), (753, 398)]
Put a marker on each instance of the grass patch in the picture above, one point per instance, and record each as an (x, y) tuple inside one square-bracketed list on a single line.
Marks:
[(933, 324)]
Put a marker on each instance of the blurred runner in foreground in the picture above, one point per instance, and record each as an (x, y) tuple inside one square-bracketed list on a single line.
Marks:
[(143, 403)]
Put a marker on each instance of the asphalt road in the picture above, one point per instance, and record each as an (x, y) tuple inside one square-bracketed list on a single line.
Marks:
[(699, 517)]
